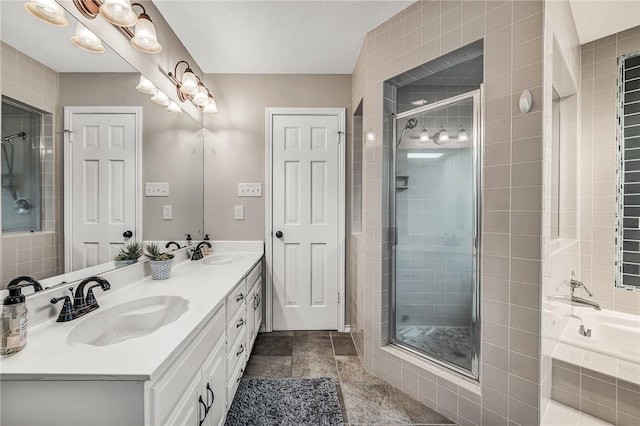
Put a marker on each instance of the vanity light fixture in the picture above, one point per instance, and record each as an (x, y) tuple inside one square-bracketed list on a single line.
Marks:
[(174, 108), (160, 98), (145, 86), (462, 135), (419, 102), (47, 11), (424, 135), (191, 88), (87, 40)]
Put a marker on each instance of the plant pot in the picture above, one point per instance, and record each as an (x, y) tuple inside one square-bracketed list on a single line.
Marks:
[(160, 269), (121, 263)]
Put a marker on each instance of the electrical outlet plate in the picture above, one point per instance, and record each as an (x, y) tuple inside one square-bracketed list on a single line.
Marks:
[(249, 190), (156, 189)]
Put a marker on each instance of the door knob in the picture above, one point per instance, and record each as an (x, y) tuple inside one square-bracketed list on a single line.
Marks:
[(279, 234), (127, 234)]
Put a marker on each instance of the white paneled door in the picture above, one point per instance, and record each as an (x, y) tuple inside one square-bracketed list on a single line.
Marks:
[(102, 177), (306, 155)]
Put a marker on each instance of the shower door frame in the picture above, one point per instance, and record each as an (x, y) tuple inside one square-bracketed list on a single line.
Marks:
[(477, 155)]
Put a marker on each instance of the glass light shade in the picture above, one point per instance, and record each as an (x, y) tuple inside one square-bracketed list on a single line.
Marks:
[(462, 135), (47, 11), (189, 83), (443, 136), (211, 107), (161, 99), (424, 135), (145, 38), (86, 40), (173, 108), (201, 98), (118, 12), (145, 86)]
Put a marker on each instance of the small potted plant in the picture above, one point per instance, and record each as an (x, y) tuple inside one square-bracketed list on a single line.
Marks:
[(128, 254), (160, 262)]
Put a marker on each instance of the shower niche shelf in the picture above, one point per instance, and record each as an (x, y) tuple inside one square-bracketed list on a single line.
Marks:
[(402, 182)]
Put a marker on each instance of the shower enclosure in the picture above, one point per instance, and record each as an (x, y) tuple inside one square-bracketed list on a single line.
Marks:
[(21, 171), (435, 212)]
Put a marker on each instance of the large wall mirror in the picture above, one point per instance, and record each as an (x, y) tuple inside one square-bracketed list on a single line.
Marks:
[(47, 80)]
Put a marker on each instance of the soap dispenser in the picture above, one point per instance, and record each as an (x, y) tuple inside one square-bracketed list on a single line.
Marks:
[(14, 316), (189, 239)]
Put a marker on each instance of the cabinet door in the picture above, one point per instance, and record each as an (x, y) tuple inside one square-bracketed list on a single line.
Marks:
[(190, 411), (250, 320), (214, 386), (257, 310)]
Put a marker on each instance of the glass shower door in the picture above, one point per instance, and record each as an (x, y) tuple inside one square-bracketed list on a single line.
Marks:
[(435, 197)]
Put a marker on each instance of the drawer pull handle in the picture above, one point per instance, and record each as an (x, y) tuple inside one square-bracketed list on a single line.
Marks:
[(240, 323), (201, 418), (257, 302), (240, 351), (213, 397), (241, 373), (240, 297)]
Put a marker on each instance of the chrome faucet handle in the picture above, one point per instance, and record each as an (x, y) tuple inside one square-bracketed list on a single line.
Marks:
[(577, 284)]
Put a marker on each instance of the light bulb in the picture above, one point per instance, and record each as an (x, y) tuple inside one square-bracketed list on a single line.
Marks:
[(424, 135), (145, 38), (86, 40), (189, 84), (47, 11), (462, 135), (145, 86), (173, 108), (119, 13), (161, 99), (201, 97), (211, 107)]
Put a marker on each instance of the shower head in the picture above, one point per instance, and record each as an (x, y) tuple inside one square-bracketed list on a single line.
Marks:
[(10, 138), (411, 123)]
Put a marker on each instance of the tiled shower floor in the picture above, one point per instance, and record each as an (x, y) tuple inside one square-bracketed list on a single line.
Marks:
[(450, 343), (364, 398)]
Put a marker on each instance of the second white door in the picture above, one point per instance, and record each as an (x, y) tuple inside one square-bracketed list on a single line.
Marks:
[(305, 200)]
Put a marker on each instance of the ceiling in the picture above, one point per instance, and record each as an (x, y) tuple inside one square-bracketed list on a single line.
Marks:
[(287, 37), (596, 19), (51, 45)]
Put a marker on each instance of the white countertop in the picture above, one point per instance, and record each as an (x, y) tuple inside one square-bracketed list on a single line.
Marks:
[(48, 356)]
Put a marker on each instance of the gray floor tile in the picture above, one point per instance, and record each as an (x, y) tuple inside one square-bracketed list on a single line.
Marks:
[(343, 345), (311, 333), (311, 346), (312, 367), (373, 404), (419, 413), (351, 370), (272, 346), (279, 333), (268, 366)]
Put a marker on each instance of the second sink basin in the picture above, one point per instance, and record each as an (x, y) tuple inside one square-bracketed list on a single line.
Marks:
[(221, 259), (128, 320)]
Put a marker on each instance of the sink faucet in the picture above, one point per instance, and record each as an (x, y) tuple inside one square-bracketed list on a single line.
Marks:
[(197, 252), (81, 305), (579, 301), (171, 243)]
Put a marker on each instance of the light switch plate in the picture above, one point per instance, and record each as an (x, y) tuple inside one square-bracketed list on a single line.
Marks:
[(167, 212), (239, 213), (249, 190), (156, 189)]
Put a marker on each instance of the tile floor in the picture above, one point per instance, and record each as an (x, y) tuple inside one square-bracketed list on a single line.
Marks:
[(365, 399)]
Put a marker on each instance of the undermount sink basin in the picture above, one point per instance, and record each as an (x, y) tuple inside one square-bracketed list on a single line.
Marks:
[(222, 259), (128, 320)]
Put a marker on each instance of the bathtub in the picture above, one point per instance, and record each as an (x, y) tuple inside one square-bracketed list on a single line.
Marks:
[(612, 349)]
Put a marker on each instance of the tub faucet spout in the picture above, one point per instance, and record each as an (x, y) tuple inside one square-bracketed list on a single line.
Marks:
[(579, 301)]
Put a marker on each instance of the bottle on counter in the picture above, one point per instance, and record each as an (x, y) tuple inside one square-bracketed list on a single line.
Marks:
[(14, 318)]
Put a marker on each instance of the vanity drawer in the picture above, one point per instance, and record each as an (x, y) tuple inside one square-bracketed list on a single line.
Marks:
[(237, 354), (166, 391), (236, 325), (236, 299), (232, 385), (255, 272)]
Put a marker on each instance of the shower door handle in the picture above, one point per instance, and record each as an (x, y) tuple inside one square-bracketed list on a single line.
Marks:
[(127, 234)]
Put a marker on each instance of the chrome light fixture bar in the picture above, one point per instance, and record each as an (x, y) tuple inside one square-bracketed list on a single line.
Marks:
[(190, 87)]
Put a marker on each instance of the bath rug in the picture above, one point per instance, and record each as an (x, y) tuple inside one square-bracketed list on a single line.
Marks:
[(285, 402)]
